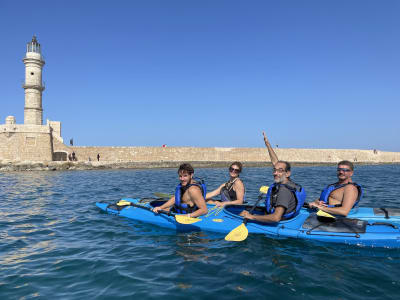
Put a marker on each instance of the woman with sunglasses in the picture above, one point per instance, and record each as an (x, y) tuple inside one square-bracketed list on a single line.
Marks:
[(232, 191)]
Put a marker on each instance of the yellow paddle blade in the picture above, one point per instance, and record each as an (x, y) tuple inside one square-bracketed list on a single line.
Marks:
[(123, 202), (264, 189), (238, 234), (325, 214), (184, 219)]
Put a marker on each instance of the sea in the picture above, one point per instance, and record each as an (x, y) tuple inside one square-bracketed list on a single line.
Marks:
[(56, 244)]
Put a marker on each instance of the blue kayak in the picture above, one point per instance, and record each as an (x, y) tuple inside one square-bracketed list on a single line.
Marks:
[(373, 227)]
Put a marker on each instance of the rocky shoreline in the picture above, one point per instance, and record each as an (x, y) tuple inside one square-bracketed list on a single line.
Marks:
[(88, 165)]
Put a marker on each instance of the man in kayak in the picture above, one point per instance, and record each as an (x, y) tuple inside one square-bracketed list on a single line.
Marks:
[(188, 198), (285, 198), (340, 197)]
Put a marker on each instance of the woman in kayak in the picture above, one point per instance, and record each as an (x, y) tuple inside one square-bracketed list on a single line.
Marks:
[(232, 191)]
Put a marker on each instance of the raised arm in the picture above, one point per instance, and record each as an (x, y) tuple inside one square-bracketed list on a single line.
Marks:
[(271, 152)]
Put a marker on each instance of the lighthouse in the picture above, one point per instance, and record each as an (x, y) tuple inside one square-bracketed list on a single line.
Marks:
[(33, 60)]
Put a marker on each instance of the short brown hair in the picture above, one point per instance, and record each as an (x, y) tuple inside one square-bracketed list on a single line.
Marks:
[(237, 163), (346, 163), (186, 168)]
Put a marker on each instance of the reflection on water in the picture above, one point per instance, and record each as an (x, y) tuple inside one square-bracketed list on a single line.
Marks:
[(23, 254), (56, 244), (190, 246), (29, 183)]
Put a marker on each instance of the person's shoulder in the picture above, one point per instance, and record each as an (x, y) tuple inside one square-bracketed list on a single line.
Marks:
[(291, 185), (238, 181), (194, 187), (350, 187), (284, 189)]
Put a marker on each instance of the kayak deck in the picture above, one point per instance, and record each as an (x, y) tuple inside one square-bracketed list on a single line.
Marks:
[(363, 227)]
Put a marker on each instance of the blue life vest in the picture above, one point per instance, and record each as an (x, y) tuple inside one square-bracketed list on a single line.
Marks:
[(183, 208), (299, 194), (330, 188)]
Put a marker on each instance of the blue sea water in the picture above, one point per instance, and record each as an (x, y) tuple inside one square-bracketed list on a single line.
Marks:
[(55, 244)]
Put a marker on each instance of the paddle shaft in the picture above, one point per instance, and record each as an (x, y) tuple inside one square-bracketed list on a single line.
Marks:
[(253, 208), (165, 212), (163, 195), (181, 219)]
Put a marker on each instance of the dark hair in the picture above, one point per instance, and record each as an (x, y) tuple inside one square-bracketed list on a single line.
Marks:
[(287, 165), (237, 163), (346, 163), (187, 168)]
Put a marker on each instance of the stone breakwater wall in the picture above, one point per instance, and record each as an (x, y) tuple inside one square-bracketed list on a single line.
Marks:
[(174, 154), (165, 157)]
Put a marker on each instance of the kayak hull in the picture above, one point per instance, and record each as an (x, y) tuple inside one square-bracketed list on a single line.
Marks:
[(364, 227)]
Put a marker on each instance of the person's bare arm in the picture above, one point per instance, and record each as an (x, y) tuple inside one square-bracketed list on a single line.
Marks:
[(271, 152), (350, 195), (198, 199), (271, 218), (166, 205), (315, 203), (214, 192)]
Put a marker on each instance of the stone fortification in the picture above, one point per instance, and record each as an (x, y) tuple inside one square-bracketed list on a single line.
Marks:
[(21, 142), (175, 154), (29, 142), (171, 157)]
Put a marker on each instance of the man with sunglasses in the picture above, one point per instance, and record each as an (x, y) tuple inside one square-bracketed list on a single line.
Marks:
[(284, 198), (340, 197)]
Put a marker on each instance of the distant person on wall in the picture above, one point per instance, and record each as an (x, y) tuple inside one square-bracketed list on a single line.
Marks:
[(71, 142), (285, 198), (232, 191), (189, 195), (73, 156), (98, 156), (340, 197)]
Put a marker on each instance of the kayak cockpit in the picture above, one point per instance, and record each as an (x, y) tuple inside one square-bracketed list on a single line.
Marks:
[(237, 209)]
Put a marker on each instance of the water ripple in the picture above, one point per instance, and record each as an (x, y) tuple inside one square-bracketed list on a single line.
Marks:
[(56, 244)]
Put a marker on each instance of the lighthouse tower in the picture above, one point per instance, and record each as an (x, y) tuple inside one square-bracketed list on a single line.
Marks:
[(33, 111)]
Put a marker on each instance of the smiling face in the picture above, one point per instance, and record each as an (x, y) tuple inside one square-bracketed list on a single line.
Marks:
[(344, 173), (280, 173), (184, 177), (234, 171)]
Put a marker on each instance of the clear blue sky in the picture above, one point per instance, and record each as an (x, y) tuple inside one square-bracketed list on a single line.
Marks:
[(210, 73)]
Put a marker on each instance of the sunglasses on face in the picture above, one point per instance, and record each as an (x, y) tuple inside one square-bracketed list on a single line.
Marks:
[(343, 170), (280, 170), (234, 170)]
